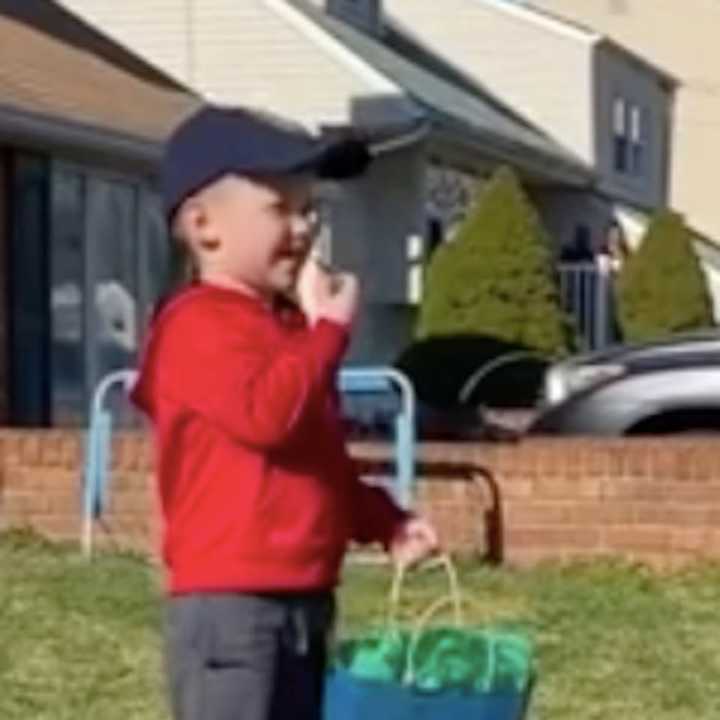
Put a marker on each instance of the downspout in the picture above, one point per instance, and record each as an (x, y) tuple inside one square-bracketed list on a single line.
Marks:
[(398, 142)]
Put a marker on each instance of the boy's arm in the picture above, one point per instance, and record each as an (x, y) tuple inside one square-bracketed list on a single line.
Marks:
[(255, 396), (408, 538), (376, 517)]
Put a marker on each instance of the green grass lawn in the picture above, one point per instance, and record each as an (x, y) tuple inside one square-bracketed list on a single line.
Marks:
[(81, 640)]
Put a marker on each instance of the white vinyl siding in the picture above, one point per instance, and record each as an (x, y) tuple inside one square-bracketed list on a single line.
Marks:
[(251, 52), (682, 38), (542, 75)]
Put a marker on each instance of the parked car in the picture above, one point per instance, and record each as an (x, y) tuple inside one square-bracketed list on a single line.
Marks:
[(666, 387)]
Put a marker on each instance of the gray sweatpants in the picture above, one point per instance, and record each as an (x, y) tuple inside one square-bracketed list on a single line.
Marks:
[(247, 657)]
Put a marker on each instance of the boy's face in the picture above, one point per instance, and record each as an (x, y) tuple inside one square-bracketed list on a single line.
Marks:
[(256, 231)]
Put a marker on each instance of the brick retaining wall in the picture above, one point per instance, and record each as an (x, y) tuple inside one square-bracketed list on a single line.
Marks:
[(651, 500)]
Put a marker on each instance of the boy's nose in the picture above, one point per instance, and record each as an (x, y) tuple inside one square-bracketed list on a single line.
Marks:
[(300, 225)]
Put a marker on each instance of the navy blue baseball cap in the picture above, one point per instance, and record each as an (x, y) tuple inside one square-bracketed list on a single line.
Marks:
[(217, 141)]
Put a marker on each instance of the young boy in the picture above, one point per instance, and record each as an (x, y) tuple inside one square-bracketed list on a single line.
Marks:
[(258, 494)]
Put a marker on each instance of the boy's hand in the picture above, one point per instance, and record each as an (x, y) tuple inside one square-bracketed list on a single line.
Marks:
[(324, 294), (339, 299), (415, 541), (307, 290)]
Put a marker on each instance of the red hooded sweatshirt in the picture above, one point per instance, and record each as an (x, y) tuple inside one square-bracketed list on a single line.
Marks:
[(257, 490)]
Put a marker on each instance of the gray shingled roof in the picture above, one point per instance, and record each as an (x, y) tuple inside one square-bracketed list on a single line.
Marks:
[(450, 99)]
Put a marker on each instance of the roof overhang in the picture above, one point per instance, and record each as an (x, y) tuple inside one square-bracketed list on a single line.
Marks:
[(51, 132), (545, 167)]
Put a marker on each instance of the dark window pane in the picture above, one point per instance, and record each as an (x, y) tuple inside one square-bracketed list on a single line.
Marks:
[(621, 152), (435, 235), (5, 317), (638, 159), (111, 227), (29, 302), (155, 260), (67, 299)]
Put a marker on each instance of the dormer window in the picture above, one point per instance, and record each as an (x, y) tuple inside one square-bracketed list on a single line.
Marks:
[(630, 137)]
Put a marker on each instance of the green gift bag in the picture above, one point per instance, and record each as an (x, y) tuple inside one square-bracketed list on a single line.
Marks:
[(431, 672)]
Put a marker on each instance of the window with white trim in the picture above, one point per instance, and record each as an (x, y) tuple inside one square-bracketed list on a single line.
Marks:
[(630, 137)]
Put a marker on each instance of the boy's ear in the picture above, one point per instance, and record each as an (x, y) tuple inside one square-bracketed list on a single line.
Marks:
[(198, 220)]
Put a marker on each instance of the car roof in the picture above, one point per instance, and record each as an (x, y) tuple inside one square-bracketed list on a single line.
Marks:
[(680, 342)]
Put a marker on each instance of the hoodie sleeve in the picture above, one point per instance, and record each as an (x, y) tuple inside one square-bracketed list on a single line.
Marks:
[(232, 379), (377, 517)]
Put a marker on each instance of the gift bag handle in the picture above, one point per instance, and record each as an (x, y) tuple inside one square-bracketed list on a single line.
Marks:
[(400, 577), (421, 625)]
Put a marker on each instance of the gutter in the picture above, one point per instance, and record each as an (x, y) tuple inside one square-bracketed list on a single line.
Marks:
[(33, 128)]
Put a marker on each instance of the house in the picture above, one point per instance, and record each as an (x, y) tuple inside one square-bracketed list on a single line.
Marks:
[(81, 121), (337, 65), (681, 37), (606, 105), (685, 42)]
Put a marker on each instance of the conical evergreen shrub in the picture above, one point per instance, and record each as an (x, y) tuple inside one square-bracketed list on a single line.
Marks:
[(497, 276), (662, 288)]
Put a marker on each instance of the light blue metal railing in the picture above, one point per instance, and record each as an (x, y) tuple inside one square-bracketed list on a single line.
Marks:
[(98, 451), (372, 381), (388, 381)]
